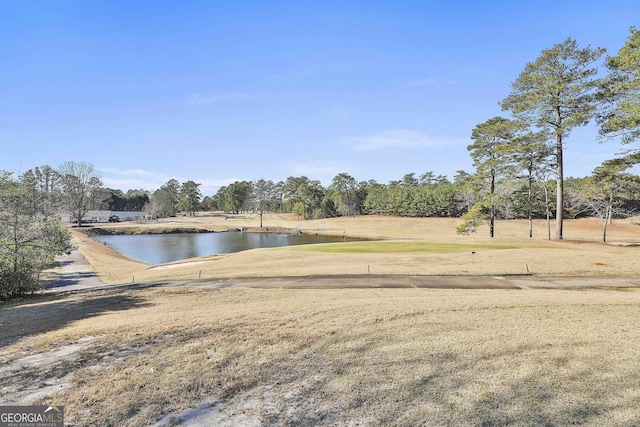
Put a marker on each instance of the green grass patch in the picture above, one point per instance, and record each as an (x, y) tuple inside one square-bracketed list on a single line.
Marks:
[(396, 247)]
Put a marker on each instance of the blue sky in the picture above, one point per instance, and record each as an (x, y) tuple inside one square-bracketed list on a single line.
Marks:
[(219, 91)]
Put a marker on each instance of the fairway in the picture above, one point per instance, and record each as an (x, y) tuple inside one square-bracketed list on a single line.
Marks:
[(397, 247), (384, 245)]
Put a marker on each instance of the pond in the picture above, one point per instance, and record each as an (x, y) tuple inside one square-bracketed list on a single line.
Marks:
[(163, 248)]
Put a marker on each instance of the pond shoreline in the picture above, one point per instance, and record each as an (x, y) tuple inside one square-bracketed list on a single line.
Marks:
[(113, 231), (161, 245), (576, 256), (92, 231)]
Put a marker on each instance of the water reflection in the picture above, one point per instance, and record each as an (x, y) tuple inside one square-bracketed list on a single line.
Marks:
[(162, 248)]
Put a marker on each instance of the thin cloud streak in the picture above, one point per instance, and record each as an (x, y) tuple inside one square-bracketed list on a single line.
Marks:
[(131, 178), (420, 83), (429, 82), (128, 172), (398, 139), (199, 99)]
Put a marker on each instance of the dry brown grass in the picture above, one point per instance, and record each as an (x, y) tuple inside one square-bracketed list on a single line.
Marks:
[(339, 356), (334, 357), (579, 254)]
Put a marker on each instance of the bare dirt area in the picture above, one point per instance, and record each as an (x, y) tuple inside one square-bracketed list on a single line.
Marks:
[(422, 327)]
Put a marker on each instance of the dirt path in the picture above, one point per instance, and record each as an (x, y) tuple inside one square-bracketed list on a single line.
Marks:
[(75, 274), (432, 282)]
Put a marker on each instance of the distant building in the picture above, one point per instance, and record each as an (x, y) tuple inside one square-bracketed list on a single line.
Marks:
[(103, 216)]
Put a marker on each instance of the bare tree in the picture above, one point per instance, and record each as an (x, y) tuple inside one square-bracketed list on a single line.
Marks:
[(604, 191), (79, 182), (262, 193)]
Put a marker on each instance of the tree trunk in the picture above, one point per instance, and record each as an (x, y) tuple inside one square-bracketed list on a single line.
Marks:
[(548, 213), (530, 208), (492, 217), (560, 188), (607, 219)]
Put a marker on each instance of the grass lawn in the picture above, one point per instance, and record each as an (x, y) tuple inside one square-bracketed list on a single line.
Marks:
[(397, 247), (329, 357), (410, 246), (200, 355)]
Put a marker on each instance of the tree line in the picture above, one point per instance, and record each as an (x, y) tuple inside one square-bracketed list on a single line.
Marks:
[(517, 192), (31, 235), (554, 94)]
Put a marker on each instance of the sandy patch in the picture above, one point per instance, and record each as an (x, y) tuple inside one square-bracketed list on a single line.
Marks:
[(176, 265), (28, 378)]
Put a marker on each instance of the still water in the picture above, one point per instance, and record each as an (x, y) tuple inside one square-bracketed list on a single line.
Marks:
[(162, 248)]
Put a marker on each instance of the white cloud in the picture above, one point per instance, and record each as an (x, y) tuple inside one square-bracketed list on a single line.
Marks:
[(397, 138), (128, 184), (209, 187), (126, 179), (128, 172), (198, 99), (419, 83)]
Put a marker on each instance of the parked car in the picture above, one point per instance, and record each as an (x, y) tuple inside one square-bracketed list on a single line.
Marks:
[(114, 218)]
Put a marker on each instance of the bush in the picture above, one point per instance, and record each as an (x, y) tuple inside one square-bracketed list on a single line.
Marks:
[(29, 241)]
